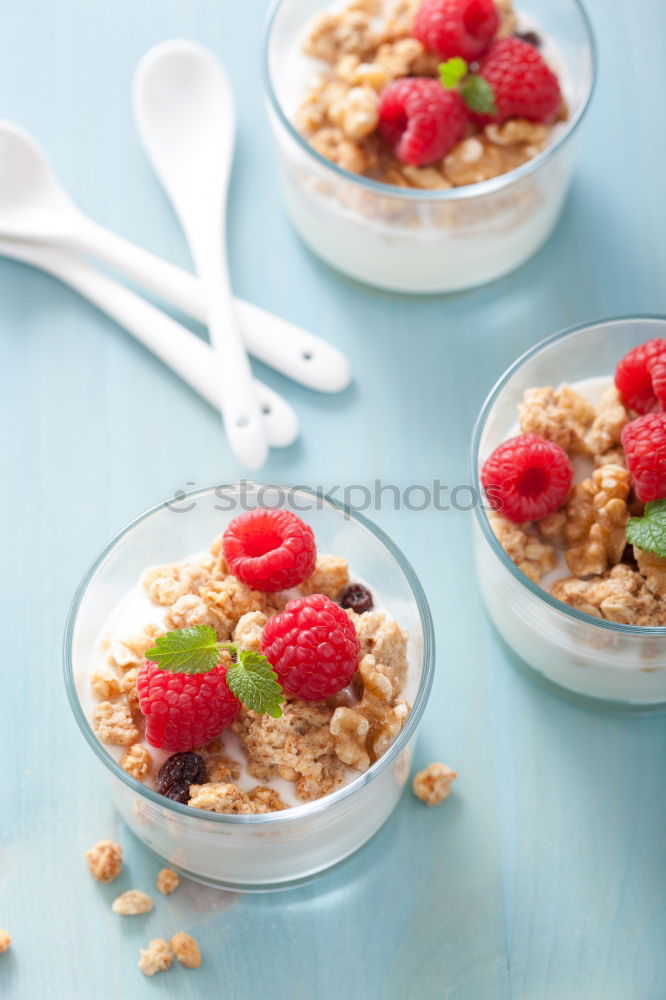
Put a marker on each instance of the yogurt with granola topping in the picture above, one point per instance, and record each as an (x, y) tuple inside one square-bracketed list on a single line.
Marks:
[(580, 548), (259, 763), (418, 225)]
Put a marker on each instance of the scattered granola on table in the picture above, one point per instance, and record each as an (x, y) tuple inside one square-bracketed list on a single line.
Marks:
[(132, 903), (209, 701), (5, 941), (583, 491), (186, 950), (433, 784), (105, 860), (167, 881), (157, 957)]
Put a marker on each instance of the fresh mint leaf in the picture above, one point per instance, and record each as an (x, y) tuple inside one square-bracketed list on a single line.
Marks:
[(192, 650), (451, 72), (478, 95), (254, 682), (649, 532)]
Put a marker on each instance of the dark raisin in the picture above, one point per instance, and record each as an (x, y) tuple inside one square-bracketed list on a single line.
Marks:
[(357, 597), (530, 37), (177, 773)]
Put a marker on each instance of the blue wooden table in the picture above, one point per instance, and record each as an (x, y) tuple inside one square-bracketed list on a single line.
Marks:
[(544, 875)]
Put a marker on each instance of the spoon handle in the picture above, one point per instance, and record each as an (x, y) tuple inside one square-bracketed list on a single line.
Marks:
[(187, 355), (294, 352)]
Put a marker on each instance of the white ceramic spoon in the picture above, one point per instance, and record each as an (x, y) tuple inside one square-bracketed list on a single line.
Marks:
[(34, 206), (188, 355)]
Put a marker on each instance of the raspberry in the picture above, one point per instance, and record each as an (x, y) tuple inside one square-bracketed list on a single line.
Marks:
[(312, 647), (269, 549), (184, 711), (640, 377), (523, 84), (421, 120), (531, 475), (644, 443), (456, 27)]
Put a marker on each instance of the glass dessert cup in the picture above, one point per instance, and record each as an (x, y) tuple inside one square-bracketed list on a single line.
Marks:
[(273, 850), (410, 240), (621, 665)]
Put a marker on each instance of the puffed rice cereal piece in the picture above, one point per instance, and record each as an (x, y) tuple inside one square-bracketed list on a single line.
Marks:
[(559, 415), (350, 730), (508, 20), (591, 525), (619, 596), (516, 130), (615, 456), (105, 685), (186, 950), (231, 599), (335, 34), (249, 630), (386, 641), (433, 784), (137, 761), (222, 768), (606, 430), (653, 568), (222, 797), (113, 723), (157, 957), (167, 881), (357, 114), (330, 577), (105, 860), (397, 58), (132, 903), (534, 557), (334, 145), (426, 178), (129, 689), (191, 609), (5, 941), (165, 584), (130, 652), (298, 744)]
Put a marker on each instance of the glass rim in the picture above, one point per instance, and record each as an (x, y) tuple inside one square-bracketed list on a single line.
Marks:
[(466, 191), (292, 813), (650, 631)]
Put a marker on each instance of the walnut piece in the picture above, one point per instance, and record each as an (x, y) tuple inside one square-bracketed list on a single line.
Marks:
[(167, 881), (297, 745), (221, 797), (249, 630), (386, 641), (132, 903), (606, 430), (186, 950), (330, 577), (157, 957), (5, 941), (364, 732), (137, 761), (532, 556), (591, 525), (113, 723), (619, 596), (559, 415), (105, 860), (433, 784), (653, 569)]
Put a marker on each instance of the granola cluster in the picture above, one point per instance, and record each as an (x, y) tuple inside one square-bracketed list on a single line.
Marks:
[(362, 49), (608, 580), (313, 744)]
